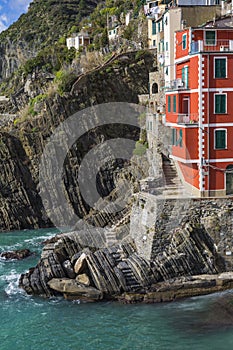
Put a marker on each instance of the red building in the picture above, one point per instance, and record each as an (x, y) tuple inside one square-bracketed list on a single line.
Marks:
[(199, 108)]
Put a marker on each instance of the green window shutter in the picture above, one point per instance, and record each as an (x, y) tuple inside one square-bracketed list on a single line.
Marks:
[(220, 139), (185, 76), (184, 41), (173, 137), (181, 138), (220, 103), (220, 68), (153, 27), (169, 104), (159, 27), (174, 103)]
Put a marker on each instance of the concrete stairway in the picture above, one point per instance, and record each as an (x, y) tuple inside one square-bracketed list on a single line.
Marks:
[(170, 174)]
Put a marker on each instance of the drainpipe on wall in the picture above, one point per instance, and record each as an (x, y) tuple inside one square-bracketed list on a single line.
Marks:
[(200, 131), (208, 121)]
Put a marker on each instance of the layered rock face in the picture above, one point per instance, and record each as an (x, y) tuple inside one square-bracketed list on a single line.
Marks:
[(80, 266), (23, 142)]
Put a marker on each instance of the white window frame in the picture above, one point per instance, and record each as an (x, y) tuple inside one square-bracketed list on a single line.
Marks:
[(211, 30), (217, 58), (219, 129), (220, 93)]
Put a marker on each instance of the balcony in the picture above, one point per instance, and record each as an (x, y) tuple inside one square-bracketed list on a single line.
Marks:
[(218, 45), (188, 119), (177, 84)]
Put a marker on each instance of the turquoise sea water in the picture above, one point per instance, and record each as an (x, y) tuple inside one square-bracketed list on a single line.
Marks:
[(38, 324)]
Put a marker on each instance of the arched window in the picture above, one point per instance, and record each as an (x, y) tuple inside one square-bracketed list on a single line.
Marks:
[(155, 88)]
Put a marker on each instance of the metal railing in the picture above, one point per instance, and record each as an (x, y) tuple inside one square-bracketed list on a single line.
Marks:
[(177, 84), (206, 46), (187, 118)]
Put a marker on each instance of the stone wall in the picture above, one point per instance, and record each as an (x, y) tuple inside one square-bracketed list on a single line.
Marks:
[(155, 219)]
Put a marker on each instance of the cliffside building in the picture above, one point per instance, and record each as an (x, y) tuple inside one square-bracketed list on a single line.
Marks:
[(113, 33), (199, 108), (79, 40)]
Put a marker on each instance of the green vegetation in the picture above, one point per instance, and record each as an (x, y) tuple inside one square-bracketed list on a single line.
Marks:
[(140, 148), (33, 102), (38, 40), (65, 80), (46, 21)]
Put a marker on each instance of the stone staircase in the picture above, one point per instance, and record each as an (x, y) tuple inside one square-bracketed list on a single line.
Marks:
[(170, 174), (173, 185), (111, 233)]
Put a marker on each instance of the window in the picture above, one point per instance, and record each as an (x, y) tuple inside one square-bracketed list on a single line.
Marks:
[(166, 46), (185, 76), (154, 43), (155, 88), (220, 139), (180, 141), (159, 27), (153, 27), (162, 45), (174, 103), (173, 137), (169, 104), (220, 65), (184, 41), (177, 137), (220, 103), (210, 37)]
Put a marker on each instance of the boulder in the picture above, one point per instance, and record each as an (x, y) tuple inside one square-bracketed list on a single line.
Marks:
[(72, 289), (16, 254), (83, 279), (68, 268), (81, 264)]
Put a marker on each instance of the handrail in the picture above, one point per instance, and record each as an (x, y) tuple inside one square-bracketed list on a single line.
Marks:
[(218, 45), (187, 118)]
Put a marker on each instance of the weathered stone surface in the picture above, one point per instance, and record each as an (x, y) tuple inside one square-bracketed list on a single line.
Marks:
[(16, 254), (83, 279), (73, 288), (184, 287), (23, 142), (81, 264)]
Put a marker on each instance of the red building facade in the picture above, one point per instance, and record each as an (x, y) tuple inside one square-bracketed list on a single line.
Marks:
[(199, 109)]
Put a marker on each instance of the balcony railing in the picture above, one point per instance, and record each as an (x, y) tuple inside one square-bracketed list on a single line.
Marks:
[(177, 84), (189, 119), (218, 45)]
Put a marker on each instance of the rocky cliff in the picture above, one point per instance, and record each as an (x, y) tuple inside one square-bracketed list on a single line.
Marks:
[(43, 24), (23, 141)]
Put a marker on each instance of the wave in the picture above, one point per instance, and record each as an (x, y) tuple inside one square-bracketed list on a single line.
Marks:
[(33, 242), (12, 281)]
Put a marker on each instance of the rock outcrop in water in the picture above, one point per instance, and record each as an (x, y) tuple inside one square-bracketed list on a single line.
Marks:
[(80, 266), (16, 254)]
